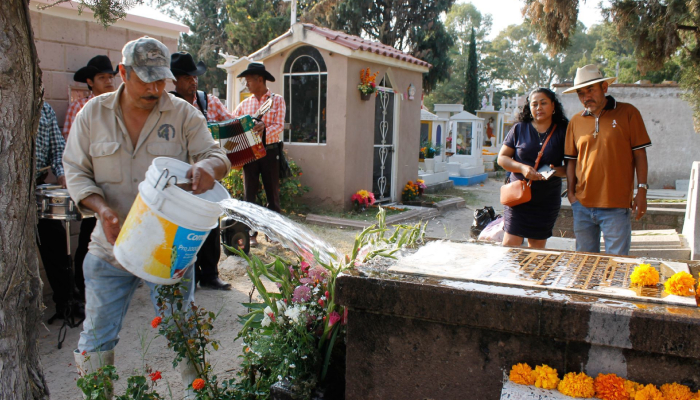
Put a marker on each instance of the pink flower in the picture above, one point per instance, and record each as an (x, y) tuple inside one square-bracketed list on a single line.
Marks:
[(318, 274), (371, 198), (320, 302), (373, 84), (333, 318), (326, 294), (301, 294), (306, 280), (305, 267)]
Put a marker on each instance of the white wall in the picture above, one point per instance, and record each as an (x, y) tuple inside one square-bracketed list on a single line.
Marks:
[(669, 122)]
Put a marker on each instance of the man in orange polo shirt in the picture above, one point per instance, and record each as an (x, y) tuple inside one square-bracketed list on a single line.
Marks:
[(605, 145)]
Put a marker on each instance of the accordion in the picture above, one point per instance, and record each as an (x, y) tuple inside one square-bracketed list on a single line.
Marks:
[(237, 138)]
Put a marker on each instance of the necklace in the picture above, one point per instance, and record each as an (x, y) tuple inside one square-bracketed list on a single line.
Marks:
[(541, 135)]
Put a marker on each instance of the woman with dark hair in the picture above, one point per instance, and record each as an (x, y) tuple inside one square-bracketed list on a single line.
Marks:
[(542, 116)]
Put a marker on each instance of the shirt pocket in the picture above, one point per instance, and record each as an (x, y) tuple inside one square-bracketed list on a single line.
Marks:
[(106, 162), (165, 149)]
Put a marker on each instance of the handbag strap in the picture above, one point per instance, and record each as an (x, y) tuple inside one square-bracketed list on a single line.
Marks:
[(539, 155)]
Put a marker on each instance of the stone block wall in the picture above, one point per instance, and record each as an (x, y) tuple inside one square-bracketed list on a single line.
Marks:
[(655, 218), (65, 45)]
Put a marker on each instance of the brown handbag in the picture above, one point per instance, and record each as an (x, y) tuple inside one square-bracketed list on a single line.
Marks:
[(520, 191)]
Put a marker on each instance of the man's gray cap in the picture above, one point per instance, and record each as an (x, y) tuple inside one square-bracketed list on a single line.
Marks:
[(149, 58)]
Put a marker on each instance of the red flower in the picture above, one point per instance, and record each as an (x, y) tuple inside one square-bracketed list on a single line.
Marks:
[(333, 318), (198, 384), (326, 294), (156, 321), (83, 353), (155, 376), (320, 302), (373, 84)]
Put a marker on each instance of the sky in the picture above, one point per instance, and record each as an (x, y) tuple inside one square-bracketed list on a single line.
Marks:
[(508, 12)]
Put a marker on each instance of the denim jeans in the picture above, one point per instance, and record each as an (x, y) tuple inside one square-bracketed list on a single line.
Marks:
[(108, 291), (614, 223)]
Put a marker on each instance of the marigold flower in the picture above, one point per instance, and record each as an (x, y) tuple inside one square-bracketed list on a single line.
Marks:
[(649, 392), (198, 384), (680, 284), (521, 374), (545, 377), (644, 275), (156, 321), (155, 376), (632, 388), (676, 391), (610, 387), (577, 385)]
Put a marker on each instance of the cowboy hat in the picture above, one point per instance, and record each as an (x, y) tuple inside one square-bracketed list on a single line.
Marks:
[(182, 63), (96, 65), (586, 76), (257, 68)]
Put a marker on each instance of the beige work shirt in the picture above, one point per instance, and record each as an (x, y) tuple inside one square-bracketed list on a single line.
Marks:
[(101, 159)]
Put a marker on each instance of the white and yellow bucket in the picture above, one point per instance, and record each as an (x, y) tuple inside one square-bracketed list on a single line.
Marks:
[(166, 225)]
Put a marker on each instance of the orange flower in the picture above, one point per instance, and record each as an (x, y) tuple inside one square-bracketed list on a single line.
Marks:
[(680, 284), (156, 321), (522, 374), (632, 387), (676, 391), (610, 387), (577, 385), (198, 384), (650, 392), (644, 275), (545, 377)]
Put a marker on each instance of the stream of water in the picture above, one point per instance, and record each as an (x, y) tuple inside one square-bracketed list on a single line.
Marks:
[(280, 229)]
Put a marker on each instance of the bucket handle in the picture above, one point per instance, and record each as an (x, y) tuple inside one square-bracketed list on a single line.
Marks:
[(166, 174)]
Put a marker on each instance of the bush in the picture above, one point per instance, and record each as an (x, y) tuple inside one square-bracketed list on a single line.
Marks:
[(290, 188)]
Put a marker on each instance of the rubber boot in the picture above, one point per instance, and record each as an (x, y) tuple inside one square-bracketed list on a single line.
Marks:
[(188, 374), (90, 362)]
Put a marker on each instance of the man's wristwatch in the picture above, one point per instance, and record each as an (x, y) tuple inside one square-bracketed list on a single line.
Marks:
[(643, 186)]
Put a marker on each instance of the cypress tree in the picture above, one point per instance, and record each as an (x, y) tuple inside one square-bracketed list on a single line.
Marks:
[(471, 96)]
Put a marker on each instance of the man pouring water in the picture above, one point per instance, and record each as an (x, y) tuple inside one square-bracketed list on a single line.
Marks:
[(112, 143)]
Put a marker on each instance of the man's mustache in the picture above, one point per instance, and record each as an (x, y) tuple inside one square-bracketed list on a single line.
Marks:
[(150, 97)]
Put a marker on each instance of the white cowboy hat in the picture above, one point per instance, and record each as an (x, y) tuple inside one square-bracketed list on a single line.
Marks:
[(586, 76)]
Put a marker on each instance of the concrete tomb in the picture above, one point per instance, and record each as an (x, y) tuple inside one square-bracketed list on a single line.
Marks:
[(449, 320)]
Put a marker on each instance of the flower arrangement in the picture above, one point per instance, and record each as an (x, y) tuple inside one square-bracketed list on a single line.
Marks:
[(644, 275), (410, 191), (427, 150), (680, 284), (605, 386), (367, 85), (297, 335), (362, 199)]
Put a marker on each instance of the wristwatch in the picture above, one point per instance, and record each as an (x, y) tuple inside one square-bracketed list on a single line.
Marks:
[(643, 186)]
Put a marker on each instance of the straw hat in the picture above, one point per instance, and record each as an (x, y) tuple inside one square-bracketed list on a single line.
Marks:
[(586, 76)]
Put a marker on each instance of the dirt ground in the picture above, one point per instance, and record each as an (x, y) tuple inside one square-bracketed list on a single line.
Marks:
[(140, 347)]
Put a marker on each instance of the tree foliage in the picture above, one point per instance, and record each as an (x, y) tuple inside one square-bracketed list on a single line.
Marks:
[(207, 20), (459, 23), (660, 30), (471, 97), (413, 26)]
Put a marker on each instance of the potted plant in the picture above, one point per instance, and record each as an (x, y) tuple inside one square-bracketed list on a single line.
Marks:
[(367, 86)]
